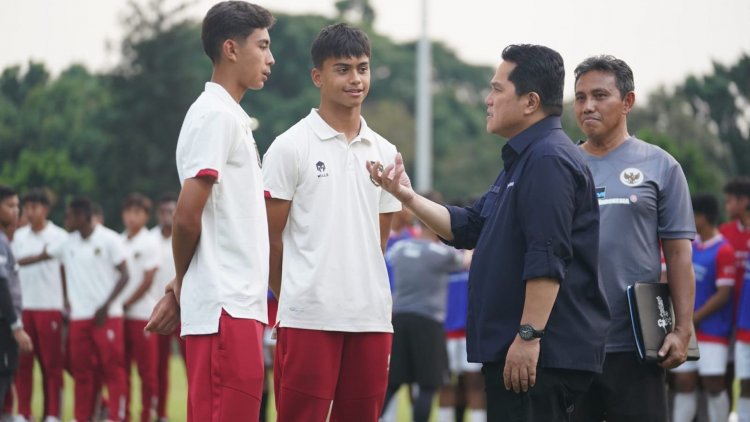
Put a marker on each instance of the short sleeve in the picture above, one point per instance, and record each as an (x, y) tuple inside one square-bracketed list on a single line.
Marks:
[(56, 249), (675, 208), (281, 169), (116, 249), (153, 254), (5, 259), (207, 145), (725, 266)]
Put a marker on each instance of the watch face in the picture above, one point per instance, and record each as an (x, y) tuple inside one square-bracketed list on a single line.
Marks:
[(526, 332)]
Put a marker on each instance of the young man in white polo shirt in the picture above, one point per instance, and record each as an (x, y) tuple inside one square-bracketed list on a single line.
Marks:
[(220, 231), (139, 298), (96, 273), (43, 303), (332, 224)]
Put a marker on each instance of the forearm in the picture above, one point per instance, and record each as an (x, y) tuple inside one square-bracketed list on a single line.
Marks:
[(7, 310), (541, 294), (433, 215), (185, 236), (33, 259), (148, 279), (274, 271), (713, 304), (119, 286), (681, 279)]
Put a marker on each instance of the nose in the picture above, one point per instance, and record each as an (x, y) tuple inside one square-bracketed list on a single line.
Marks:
[(589, 105), (488, 100), (271, 60)]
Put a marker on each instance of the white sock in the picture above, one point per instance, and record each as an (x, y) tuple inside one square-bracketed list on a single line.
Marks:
[(685, 405), (478, 415), (743, 409), (718, 406), (445, 414), (389, 413)]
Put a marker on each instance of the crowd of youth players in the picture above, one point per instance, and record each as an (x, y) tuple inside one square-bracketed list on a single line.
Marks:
[(546, 315)]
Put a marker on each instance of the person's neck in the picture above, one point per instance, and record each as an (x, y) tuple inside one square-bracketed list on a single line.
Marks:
[(342, 119), (707, 233), (133, 233), (38, 226), (166, 231), (227, 80), (86, 231), (601, 146), (745, 219)]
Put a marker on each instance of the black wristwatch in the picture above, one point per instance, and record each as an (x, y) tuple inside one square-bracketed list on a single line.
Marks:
[(527, 332)]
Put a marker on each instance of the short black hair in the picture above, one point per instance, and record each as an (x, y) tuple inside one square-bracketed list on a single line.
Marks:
[(339, 40), (706, 205), (6, 192), (739, 186), (232, 20), (137, 200), (167, 197), (610, 64), (538, 69), (37, 196), (82, 206)]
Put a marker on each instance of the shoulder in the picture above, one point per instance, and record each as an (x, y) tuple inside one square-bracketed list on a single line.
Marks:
[(291, 136), (21, 234)]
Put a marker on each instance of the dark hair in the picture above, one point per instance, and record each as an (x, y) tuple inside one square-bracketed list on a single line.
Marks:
[(538, 69), (232, 20), (610, 64), (81, 206), (167, 197), (6, 192), (137, 200), (706, 205), (339, 40), (36, 196), (739, 186)]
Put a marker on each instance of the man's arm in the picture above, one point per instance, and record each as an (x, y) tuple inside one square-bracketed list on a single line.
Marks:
[(714, 303), (43, 256), (8, 312), (385, 229), (100, 316), (678, 255), (64, 281), (148, 279), (520, 374), (277, 211), (395, 181)]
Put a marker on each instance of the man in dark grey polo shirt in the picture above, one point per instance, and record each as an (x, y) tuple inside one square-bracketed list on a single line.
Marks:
[(537, 315), (643, 200)]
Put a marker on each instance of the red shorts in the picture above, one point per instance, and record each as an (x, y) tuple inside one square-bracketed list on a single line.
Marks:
[(313, 368), (225, 372)]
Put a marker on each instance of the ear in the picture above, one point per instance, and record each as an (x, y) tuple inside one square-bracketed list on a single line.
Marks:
[(628, 102), (316, 78), (533, 103), (229, 50)]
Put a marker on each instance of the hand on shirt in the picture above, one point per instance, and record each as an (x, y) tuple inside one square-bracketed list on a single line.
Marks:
[(675, 349), (23, 340), (393, 178), (519, 373)]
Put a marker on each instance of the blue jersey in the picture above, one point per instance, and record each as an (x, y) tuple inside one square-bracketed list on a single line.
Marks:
[(457, 302), (714, 265)]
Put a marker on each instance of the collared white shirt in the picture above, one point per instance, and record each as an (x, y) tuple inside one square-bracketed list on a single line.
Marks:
[(165, 271), (41, 283), (90, 270), (142, 256), (229, 269), (333, 276)]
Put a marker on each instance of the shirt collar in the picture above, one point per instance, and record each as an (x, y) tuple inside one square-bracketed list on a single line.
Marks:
[(700, 244), (325, 132), (222, 94), (518, 144)]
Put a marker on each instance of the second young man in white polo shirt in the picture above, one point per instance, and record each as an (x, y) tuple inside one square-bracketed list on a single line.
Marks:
[(220, 231), (334, 318)]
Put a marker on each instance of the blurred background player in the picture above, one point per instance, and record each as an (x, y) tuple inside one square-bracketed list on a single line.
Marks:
[(139, 299), (714, 265), (43, 287), (162, 233), (421, 266)]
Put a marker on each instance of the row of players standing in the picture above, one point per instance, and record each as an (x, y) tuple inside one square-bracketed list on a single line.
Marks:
[(106, 284)]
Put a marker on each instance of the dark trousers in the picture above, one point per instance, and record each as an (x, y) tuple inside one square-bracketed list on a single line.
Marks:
[(626, 391), (550, 400)]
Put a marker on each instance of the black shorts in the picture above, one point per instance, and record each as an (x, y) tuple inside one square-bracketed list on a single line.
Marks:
[(419, 354), (626, 391)]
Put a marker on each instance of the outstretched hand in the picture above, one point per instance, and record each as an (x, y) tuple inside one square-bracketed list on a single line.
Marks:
[(393, 179)]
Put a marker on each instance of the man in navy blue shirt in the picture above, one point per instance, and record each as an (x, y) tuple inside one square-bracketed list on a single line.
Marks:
[(538, 316)]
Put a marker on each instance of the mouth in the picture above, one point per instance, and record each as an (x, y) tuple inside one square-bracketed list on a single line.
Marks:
[(354, 92), (267, 74)]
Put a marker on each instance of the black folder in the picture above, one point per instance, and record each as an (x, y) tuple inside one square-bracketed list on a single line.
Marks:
[(652, 318)]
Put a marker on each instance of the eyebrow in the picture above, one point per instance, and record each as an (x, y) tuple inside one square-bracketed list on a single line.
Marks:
[(496, 85)]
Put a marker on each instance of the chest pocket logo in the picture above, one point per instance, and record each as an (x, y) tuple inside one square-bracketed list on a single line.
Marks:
[(321, 167), (631, 177)]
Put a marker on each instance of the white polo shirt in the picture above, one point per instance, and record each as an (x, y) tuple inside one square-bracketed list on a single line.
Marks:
[(165, 271), (90, 270), (333, 276), (142, 253), (229, 269), (41, 283)]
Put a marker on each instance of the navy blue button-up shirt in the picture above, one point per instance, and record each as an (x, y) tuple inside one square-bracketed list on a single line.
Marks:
[(539, 219)]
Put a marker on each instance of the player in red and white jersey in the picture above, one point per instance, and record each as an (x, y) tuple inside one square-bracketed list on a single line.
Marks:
[(139, 298), (42, 285), (737, 230)]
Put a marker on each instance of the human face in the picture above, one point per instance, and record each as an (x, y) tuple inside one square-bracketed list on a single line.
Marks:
[(255, 59), (134, 218), (9, 211), (35, 213), (505, 109), (735, 205), (600, 109), (74, 221), (165, 213), (343, 81)]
